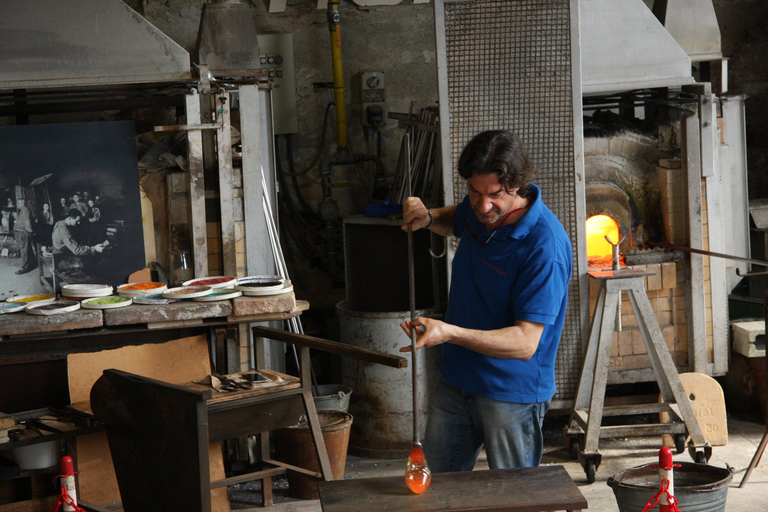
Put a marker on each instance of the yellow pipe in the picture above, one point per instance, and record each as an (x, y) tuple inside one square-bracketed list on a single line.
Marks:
[(334, 25)]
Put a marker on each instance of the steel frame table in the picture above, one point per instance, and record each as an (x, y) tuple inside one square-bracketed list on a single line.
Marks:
[(585, 428)]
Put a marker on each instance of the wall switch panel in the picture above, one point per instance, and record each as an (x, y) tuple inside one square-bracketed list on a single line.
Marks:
[(276, 61), (373, 98)]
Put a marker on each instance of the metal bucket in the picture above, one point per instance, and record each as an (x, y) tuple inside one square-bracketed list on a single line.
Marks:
[(383, 400), (332, 397), (698, 487)]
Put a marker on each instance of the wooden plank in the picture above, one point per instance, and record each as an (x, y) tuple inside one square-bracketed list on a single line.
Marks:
[(301, 305), (226, 185), (197, 185), (331, 346), (177, 362), (248, 306), (177, 311), (697, 341), (537, 489), (708, 403), (21, 323)]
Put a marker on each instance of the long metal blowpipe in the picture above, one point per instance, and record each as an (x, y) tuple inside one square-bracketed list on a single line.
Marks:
[(417, 473)]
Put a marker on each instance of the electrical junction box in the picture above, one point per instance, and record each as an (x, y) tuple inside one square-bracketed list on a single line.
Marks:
[(373, 97), (276, 62)]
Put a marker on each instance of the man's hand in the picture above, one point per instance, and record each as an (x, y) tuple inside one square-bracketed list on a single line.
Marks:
[(415, 214), (429, 332)]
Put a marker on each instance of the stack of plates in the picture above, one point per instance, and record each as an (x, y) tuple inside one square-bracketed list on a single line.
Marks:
[(263, 285), (134, 290), (53, 308), (187, 292), (85, 291), (214, 282), (30, 300)]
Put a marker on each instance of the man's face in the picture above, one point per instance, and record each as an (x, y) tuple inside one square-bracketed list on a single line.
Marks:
[(488, 197), (73, 221)]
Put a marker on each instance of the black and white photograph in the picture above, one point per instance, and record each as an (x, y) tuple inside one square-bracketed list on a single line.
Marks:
[(71, 210)]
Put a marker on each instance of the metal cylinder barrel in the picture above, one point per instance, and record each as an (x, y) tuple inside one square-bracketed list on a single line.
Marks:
[(382, 402)]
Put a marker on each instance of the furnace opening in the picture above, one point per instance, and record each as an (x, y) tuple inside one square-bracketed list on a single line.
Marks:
[(599, 251)]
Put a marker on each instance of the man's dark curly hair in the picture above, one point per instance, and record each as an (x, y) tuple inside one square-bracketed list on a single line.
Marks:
[(499, 152)]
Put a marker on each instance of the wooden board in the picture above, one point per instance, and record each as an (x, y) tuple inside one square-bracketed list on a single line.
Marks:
[(708, 403), (164, 313), (23, 323), (512, 490), (248, 306), (177, 362)]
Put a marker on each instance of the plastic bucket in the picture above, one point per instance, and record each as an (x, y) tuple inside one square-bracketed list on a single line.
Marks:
[(332, 397), (296, 447), (37, 456), (698, 487)]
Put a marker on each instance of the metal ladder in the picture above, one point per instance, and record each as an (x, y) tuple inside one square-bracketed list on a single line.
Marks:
[(585, 428)]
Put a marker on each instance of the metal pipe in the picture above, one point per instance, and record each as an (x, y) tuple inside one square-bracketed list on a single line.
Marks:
[(334, 26), (707, 253), (412, 297)]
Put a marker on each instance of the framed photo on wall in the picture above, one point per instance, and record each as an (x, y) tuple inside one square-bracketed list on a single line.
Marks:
[(70, 206)]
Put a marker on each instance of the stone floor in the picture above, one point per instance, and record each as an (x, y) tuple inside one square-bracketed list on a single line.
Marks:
[(744, 435)]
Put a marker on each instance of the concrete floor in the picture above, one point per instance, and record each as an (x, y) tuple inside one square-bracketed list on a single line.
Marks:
[(744, 435)]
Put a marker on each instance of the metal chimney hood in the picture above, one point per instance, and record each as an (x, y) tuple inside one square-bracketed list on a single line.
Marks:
[(693, 24), (56, 43), (227, 42), (625, 47)]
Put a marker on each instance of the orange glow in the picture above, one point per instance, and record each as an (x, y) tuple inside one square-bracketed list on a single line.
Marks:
[(598, 227), (417, 473)]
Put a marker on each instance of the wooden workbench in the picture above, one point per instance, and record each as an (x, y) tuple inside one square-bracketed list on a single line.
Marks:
[(538, 489)]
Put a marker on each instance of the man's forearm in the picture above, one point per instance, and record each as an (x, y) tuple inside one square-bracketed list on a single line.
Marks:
[(442, 220)]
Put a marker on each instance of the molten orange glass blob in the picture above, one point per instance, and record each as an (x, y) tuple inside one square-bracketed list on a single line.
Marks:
[(417, 473)]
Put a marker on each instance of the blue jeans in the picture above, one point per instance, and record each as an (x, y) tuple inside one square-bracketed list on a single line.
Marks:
[(460, 423)]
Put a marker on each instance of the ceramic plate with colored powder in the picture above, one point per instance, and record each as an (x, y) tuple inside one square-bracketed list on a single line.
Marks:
[(14, 307), (220, 294), (134, 290), (106, 302), (32, 299), (187, 292), (214, 282), (53, 308)]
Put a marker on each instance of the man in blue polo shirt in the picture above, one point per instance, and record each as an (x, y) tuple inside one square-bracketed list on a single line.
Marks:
[(506, 308)]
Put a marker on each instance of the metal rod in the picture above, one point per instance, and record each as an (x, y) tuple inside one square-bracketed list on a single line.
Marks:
[(412, 293), (707, 253)]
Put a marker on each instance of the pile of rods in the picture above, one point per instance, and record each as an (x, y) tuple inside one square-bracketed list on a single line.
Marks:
[(420, 154)]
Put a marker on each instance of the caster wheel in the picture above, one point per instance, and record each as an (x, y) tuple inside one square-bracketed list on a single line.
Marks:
[(700, 457), (574, 448), (680, 443), (590, 470)]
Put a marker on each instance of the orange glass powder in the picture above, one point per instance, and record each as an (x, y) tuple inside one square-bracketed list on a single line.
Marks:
[(142, 286)]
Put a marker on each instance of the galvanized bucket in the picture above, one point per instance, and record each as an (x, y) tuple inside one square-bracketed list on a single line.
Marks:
[(332, 397), (698, 487)]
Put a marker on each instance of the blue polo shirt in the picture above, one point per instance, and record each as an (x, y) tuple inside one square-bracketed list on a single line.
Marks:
[(521, 274)]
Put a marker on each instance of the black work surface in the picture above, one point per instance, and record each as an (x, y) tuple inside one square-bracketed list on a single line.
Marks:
[(515, 490)]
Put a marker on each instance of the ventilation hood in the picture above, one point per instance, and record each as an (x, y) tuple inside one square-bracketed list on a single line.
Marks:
[(55, 43), (625, 47), (693, 24)]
